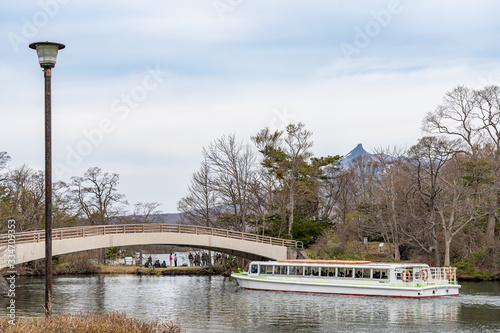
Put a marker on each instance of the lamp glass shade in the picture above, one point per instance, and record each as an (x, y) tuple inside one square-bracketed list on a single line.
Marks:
[(47, 54)]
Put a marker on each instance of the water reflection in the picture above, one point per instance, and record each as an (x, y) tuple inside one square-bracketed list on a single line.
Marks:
[(217, 304)]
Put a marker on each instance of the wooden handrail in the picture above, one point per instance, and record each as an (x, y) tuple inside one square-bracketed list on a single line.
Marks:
[(96, 230)]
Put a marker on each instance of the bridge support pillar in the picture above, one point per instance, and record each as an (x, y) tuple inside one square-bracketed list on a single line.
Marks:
[(296, 253)]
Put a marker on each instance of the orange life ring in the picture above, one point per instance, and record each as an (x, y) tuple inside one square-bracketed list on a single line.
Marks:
[(446, 273), (405, 275), (452, 273), (424, 273)]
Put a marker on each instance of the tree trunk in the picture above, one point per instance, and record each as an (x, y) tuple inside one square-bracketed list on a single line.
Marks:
[(397, 254), (140, 256), (210, 266), (290, 217), (447, 244), (435, 245), (492, 218), (395, 236)]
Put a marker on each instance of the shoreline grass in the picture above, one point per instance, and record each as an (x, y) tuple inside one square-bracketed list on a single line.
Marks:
[(180, 270), (88, 322)]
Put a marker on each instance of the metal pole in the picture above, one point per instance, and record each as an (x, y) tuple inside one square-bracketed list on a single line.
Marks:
[(48, 194)]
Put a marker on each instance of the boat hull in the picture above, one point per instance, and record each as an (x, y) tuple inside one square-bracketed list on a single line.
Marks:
[(332, 287)]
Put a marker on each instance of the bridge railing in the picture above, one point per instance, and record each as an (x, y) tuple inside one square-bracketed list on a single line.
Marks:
[(98, 230)]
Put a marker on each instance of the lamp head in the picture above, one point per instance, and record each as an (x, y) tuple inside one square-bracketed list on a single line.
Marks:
[(47, 53)]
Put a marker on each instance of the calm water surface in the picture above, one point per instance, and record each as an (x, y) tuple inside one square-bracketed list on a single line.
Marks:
[(217, 304)]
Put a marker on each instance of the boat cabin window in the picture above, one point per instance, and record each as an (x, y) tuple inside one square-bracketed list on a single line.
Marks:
[(380, 273), (266, 269), (328, 271), (280, 270), (346, 272), (254, 269), (296, 270), (307, 270), (362, 273)]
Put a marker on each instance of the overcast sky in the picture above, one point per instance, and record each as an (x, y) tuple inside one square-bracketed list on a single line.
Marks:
[(143, 86)]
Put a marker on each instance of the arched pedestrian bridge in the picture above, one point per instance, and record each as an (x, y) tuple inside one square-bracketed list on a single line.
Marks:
[(30, 245)]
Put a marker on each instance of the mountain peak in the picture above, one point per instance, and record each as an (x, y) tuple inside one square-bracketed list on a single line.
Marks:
[(358, 151), (360, 148)]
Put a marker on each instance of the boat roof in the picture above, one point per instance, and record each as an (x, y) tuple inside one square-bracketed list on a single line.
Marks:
[(340, 263), (310, 261)]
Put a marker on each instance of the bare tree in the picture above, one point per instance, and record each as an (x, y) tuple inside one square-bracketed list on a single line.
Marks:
[(4, 204), (96, 195), (460, 203), (393, 186), (262, 198), (334, 181), (473, 117), (428, 157), (488, 103), (25, 188), (346, 193), (199, 207), (456, 116), (65, 210), (144, 212), (231, 163)]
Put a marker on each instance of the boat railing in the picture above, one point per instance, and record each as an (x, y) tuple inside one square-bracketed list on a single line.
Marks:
[(423, 276)]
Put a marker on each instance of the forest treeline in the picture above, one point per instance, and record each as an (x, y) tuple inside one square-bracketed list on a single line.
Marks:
[(437, 200), (90, 199)]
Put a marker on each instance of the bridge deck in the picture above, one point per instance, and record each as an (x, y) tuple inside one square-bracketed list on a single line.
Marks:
[(37, 236)]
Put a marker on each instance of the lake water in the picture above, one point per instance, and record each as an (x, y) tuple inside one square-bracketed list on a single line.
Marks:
[(217, 304)]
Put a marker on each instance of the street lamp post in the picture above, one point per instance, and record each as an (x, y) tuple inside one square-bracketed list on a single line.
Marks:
[(47, 54)]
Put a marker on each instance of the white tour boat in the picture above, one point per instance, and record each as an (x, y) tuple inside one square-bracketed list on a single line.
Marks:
[(362, 278)]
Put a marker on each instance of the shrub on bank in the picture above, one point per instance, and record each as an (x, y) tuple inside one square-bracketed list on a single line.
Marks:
[(331, 246), (88, 322), (466, 272)]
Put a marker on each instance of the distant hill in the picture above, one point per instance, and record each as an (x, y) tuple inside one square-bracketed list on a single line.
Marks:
[(168, 218)]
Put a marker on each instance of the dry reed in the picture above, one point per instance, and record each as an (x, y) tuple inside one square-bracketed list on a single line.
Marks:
[(88, 322)]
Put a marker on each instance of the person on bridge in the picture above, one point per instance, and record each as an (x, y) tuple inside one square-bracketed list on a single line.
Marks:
[(170, 259), (190, 257), (175, 259)]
